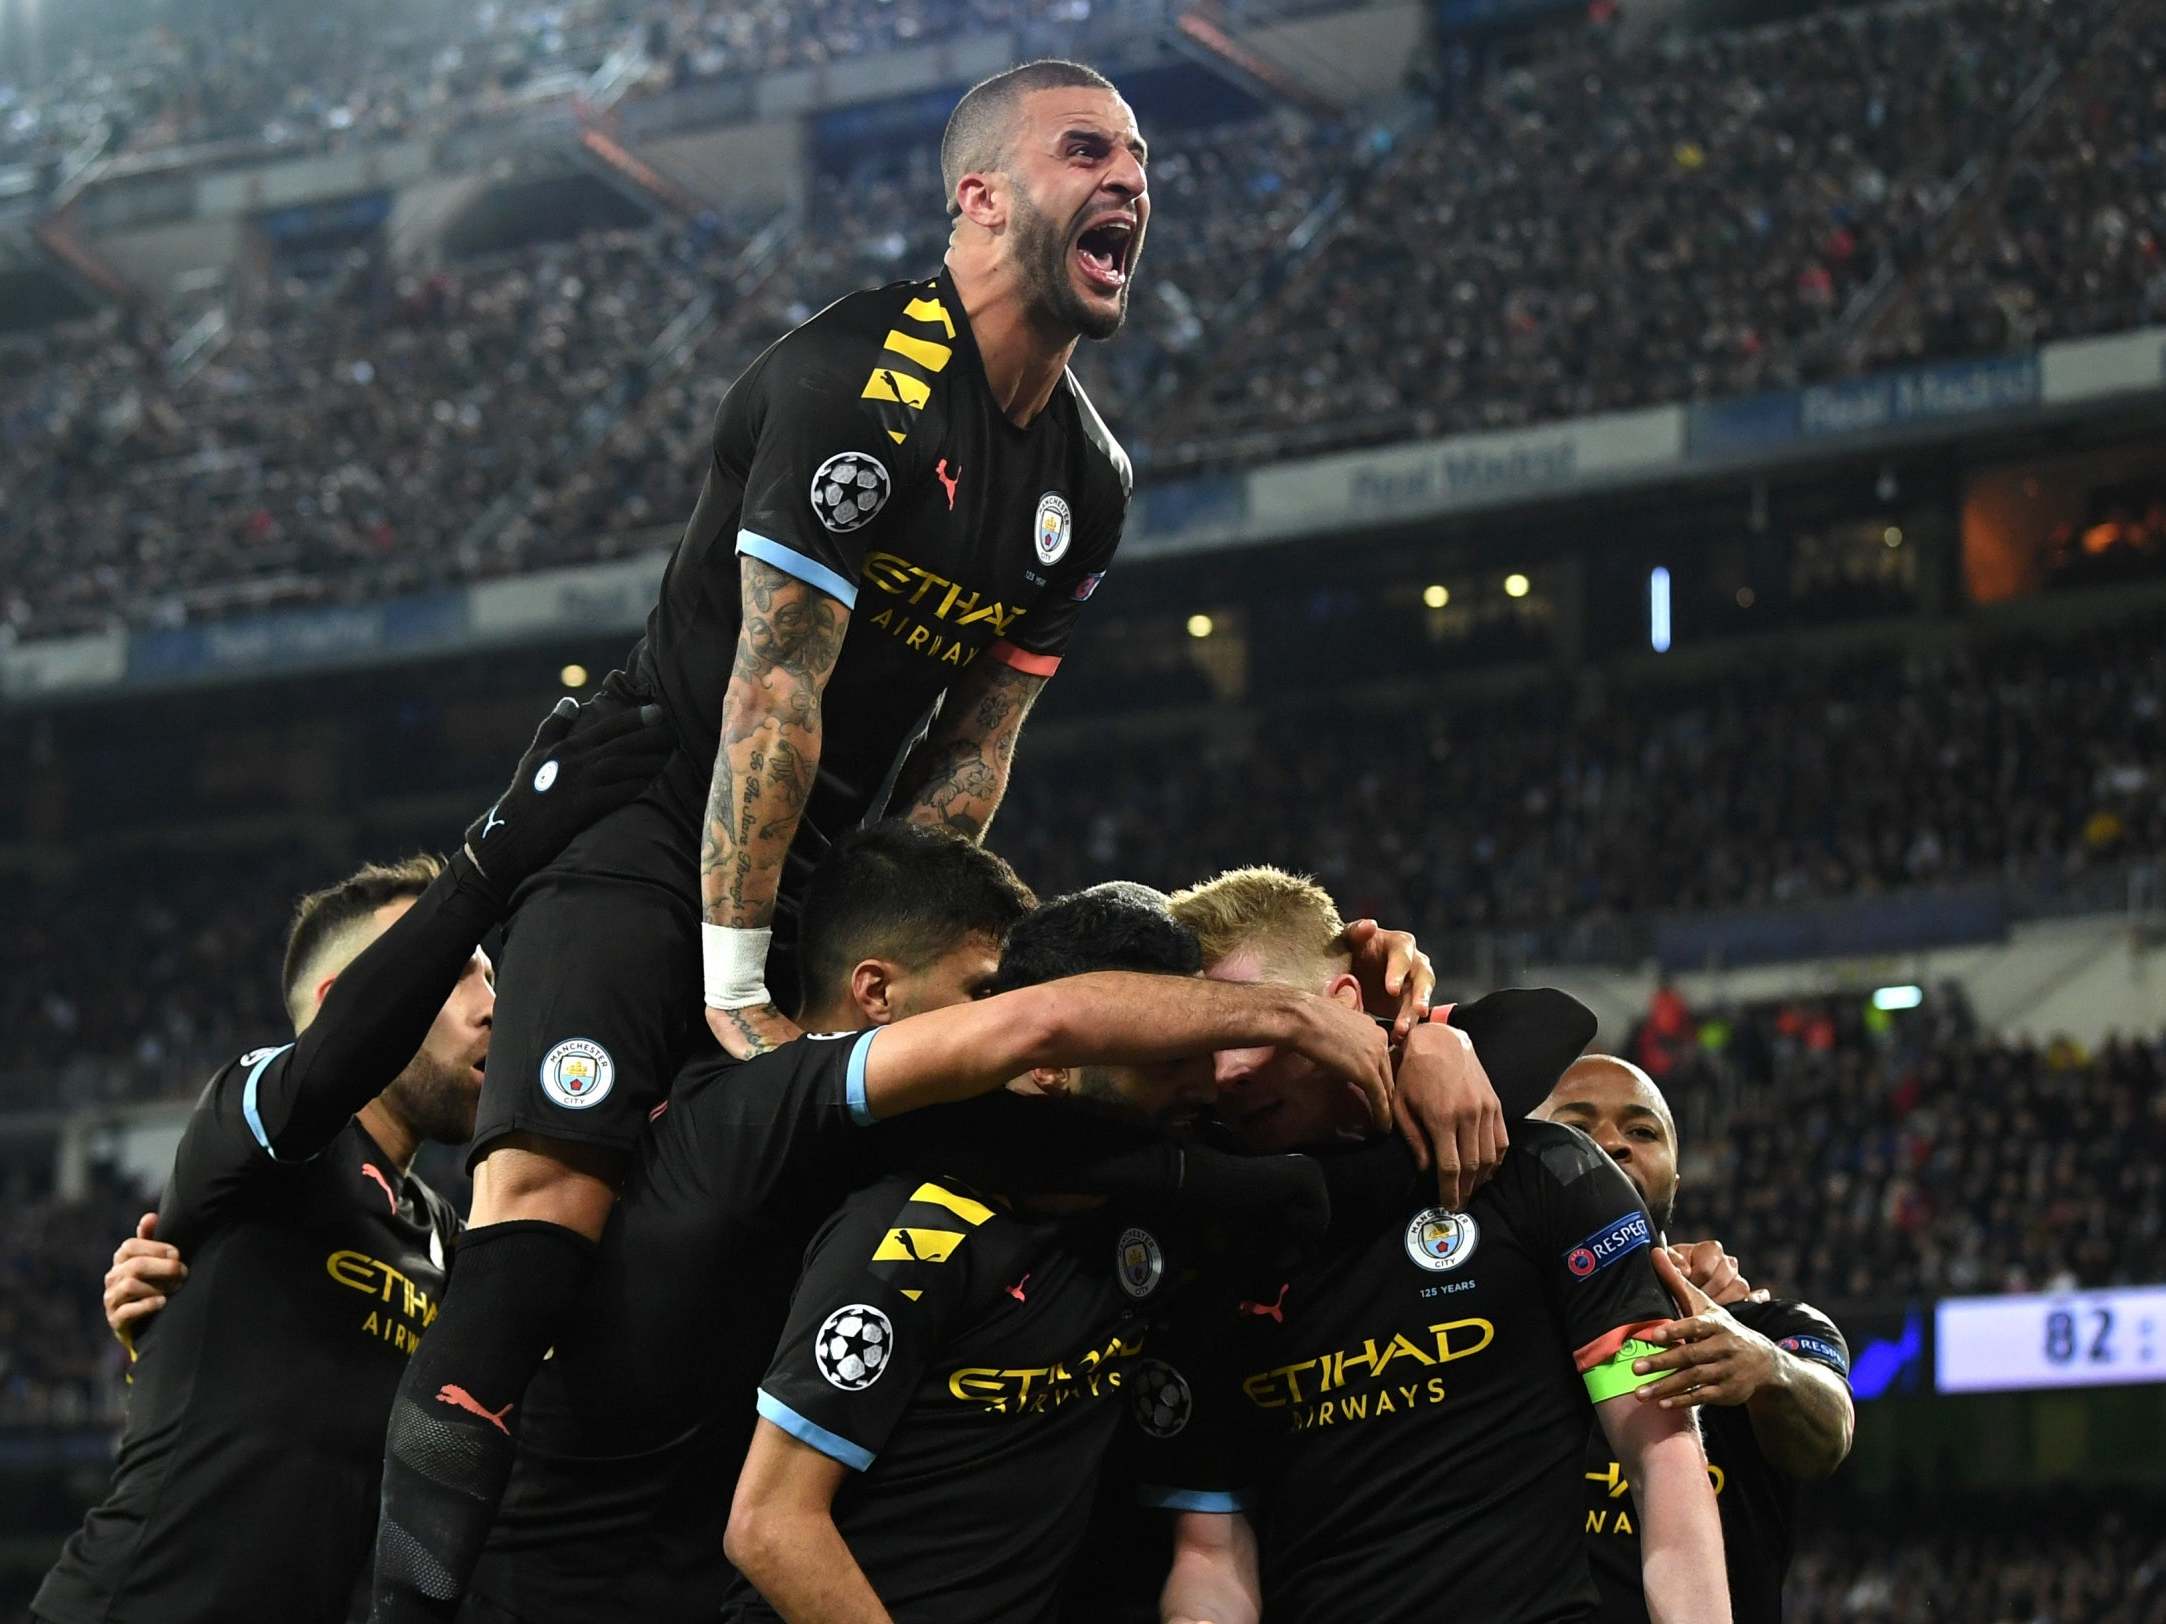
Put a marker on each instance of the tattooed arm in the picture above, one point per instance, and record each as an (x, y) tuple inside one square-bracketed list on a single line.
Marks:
[(787, 644), (957, 776)]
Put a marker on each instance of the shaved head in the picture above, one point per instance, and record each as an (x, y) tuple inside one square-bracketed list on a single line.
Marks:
[(1618, 1106), (980, 128)]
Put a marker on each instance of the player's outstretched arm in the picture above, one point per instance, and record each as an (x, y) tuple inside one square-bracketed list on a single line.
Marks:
[(584, 761), (1681, 1567), (787, 644), (1214, 1578), (957, 776), (1115, 1018), (782, 1534)]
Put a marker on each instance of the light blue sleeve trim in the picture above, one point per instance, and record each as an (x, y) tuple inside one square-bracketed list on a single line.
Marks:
[(792, 562), (1221, 1501), (810, 1433), (253, 1116), (853, 1087)]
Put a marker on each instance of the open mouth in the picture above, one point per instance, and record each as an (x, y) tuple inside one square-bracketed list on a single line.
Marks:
[(1103, 250)]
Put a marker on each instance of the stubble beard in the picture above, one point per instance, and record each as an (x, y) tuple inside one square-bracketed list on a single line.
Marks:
[(1041, 250), (437, 1101)]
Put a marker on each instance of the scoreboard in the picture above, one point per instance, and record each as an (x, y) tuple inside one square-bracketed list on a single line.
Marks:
[(2106, 1338)]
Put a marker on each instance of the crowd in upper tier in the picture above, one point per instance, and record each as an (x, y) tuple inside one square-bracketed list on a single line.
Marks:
[(1611, 226)]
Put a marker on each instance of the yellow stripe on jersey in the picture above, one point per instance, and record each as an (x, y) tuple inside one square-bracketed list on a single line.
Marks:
[(908, 1244), (971, 1212), (930, 311), (903, 375), (932, 357)]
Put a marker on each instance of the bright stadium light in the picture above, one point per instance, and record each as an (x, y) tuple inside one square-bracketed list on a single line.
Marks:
[(1898, 997), (1199, 625), (1517, 585), (573, 676), (1658, 609), (1436, 597)]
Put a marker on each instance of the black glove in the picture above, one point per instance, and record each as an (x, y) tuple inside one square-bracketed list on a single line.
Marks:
[(585, 762), (1525, 1038), (1266, 1208)]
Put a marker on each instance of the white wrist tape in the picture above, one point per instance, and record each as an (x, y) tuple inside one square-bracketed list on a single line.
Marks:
[(735, 962)]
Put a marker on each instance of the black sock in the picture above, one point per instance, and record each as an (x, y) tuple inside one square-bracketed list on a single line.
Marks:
[(453, 1425)]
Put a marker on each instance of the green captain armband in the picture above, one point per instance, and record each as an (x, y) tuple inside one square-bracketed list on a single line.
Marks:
[(1614, 1376)]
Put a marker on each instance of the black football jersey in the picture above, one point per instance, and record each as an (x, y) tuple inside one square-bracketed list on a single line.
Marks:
[(636, 1425), (246, 1485), (865, 454), (971, 1367), (1758, 1503), (1403, 1416)]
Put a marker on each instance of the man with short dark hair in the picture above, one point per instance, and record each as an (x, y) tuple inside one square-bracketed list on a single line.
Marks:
[(921, 447), (634, 1428), (955, 1364), (1769, 1377), (247, 1479)]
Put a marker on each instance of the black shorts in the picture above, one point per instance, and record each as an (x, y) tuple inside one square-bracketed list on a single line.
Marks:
[(598, 986)]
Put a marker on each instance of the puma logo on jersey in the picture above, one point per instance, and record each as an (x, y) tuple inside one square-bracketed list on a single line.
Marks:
[(1274, 1310), (1016, 1290), (371, 1171), (460, 1399), (947, 480)]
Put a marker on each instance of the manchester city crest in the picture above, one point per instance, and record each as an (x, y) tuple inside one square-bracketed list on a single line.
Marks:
[(1054, 527), (578, 1073), (1139, 1262), (1440, 1241)]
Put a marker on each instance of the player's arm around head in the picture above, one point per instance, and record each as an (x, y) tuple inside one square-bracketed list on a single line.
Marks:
[(1113, 1018)]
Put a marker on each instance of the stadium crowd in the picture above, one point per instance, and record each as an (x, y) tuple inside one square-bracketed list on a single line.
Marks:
[(339, 447), (290, 79), (1563, 808), (2072, 237), (1689, 217), (2044, 1561), (1686, 219), (1579, 802)]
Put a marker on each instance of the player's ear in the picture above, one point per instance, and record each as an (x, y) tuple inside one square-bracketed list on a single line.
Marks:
[(316, 1002), (872, 990), (1055, 1082), (981, 199), (1346, 989)]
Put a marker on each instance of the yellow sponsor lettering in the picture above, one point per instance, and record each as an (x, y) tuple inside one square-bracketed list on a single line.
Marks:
[(953, 655), (1623, 1524), (917, 637), (886, 571), (1597, 1521), (1445, 1351)]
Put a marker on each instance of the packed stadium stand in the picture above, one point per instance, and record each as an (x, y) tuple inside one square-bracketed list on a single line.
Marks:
[(1921, 670), (1739, 211)]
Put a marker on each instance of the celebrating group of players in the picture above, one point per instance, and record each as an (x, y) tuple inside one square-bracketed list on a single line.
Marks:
[(978, 1258)]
